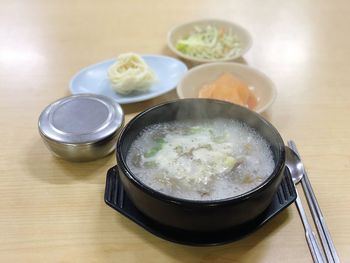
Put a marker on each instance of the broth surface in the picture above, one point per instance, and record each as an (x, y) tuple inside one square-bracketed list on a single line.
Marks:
[(206, 160)]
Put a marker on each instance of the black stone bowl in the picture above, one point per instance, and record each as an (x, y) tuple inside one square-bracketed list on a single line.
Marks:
[(193, 215)]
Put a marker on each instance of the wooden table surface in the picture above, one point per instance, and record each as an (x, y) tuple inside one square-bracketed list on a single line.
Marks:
[(52, 210)]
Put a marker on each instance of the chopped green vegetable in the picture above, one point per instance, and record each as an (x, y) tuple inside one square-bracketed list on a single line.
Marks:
[(196, 129), (179, 149), (209, 43), (160, 140), (150, 164), (192, 130), (154, 150), (204, 146), (229, 162), (219, 138)]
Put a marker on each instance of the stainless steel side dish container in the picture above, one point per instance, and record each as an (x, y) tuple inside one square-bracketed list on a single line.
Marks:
[(81, 127)]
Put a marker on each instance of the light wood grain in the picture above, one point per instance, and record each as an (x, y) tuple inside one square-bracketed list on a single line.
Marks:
[(53, 211)]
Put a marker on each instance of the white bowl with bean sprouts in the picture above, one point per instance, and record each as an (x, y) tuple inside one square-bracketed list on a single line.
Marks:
[(209, 40)]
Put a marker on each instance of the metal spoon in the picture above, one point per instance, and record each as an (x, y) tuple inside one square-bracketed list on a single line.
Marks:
[(295, 168), (294, 165)]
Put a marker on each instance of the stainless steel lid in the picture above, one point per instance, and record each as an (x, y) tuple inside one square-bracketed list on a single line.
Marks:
[(81, 119)]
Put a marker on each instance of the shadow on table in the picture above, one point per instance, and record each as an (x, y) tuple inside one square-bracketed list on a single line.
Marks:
[(266, 114), (54, 170), (137, 107), (167, 52), (239, 251)]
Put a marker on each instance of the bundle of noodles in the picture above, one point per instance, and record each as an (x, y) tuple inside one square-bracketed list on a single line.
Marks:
[(130, 73)]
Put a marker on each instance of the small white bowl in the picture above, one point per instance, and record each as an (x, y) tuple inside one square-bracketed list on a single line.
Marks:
[(182, 30), (194, 79)]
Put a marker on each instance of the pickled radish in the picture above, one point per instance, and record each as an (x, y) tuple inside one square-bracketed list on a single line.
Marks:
[(229, 88)]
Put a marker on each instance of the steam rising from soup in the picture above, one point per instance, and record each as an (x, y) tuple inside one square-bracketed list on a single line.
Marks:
[(204, 160)]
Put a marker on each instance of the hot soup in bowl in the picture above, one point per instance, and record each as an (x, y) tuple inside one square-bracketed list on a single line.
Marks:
[(200, 164)]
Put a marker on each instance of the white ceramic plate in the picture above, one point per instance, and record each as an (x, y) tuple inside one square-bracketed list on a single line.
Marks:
[(182, 30), (195, 78), (93, 79)]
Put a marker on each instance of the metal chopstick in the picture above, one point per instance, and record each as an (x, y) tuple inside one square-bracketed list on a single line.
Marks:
[(314, 247), (317, 215)]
